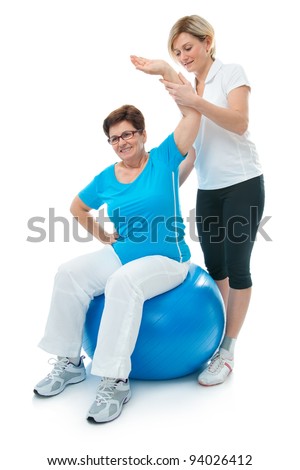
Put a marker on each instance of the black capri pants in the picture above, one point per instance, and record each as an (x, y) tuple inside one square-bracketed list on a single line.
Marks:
[(227, 222)]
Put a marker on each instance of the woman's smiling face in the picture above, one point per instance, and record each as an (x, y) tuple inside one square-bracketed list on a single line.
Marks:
[(128, 149), (190, 52)]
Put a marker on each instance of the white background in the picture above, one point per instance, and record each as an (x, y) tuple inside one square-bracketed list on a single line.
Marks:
[(65, 65)]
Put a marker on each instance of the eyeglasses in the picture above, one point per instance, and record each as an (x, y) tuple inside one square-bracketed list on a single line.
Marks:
[(126, 135)]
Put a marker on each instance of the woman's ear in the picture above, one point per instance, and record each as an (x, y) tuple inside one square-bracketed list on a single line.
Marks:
[(144, 134), (208, 44)]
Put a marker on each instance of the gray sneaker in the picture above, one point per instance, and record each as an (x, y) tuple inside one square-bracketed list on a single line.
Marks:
[(110, 398), (64, 373)]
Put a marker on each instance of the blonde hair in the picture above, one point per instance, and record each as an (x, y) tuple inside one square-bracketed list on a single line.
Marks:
[(197, 27)]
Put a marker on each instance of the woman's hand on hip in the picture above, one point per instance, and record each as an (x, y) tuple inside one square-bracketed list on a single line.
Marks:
[(110, 238)]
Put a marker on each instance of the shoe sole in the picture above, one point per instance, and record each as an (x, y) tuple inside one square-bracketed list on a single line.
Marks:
[(91, 419), (54, 393), (213, 385)]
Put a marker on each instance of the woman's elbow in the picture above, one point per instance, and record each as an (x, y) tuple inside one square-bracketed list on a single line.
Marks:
[(74, 207), (192, 155), (243, 124), (242, 127), (78, 208)]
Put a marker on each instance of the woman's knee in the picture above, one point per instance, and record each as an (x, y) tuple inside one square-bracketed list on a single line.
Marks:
[(63, 277), (238, 265), (216, 265), (218, 273), (70, 272), (239, 277), (68, 267), (120, 281)]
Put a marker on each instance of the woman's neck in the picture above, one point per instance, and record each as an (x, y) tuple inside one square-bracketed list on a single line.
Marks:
[(139, 163), (203, 72)]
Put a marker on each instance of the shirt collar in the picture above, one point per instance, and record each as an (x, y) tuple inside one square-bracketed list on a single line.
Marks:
[(214, 69)]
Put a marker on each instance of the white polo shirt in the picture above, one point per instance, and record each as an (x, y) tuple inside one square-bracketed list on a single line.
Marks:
[(223, 158)]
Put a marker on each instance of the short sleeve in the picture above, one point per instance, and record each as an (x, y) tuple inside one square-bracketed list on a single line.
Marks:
[(91, 194), (235, 77), (168, 152)]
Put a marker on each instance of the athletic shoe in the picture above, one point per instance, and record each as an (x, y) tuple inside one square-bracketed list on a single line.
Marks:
[(110, 398), (64, 373), (217, 371)]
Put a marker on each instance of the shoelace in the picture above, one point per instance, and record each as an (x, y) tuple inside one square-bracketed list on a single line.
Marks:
[(216, 363), (59, 366), (105, 390)]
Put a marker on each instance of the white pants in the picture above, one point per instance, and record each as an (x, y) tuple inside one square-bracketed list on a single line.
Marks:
[(126, 287)]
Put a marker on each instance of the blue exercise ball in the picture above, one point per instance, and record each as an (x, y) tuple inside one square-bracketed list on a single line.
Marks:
[(180, 329)]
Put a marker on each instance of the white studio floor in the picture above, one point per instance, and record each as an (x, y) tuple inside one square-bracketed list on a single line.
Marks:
[(251, 414)]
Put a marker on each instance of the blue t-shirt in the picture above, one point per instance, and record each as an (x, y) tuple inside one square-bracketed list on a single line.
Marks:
[(146, 212)]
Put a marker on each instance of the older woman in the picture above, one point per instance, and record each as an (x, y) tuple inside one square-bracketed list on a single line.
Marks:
[(146, 256), (230, 197)]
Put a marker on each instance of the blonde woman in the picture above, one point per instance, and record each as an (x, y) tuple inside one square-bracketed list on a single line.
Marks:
[(230, 196)]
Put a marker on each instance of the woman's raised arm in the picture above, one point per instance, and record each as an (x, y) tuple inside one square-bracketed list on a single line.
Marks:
[(187, 129)]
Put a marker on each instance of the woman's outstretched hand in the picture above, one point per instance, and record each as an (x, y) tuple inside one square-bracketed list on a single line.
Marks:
[(152, 67), (175, 83)]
